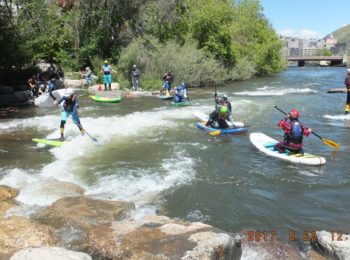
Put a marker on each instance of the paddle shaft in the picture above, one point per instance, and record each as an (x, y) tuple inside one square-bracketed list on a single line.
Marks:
[(81, 127)]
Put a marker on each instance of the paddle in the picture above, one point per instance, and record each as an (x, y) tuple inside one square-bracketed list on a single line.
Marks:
[(92, 138), (81, 127), (215, 132), (100, 85), (325, 141)]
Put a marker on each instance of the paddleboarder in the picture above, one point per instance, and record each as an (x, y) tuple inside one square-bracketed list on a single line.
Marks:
[(218, 118), (347, 84), (223, 101), (293, 133), (180, 93), (167, 80), (70, 106)]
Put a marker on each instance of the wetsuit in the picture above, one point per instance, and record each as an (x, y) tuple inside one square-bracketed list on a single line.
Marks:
[(218, 121), (293, 135), (70, 109)]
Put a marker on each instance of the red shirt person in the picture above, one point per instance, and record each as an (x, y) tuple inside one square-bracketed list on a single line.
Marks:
[(293, 133)]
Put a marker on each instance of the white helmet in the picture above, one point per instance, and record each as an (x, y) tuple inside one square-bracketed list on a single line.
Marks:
[(348, 71), (69, 92)]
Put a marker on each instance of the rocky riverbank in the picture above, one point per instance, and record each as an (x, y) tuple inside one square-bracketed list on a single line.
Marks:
[(80, 227)]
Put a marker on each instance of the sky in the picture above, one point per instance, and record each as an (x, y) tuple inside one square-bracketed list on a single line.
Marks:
[(306, 18)]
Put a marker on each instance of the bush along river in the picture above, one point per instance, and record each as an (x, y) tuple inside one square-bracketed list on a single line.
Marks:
[(151, 157)]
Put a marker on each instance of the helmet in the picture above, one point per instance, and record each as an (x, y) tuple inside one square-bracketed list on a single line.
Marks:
[(134, 66), (106, 61), (224, 97), (294, 113), (183, 83), (69, 92), (348, 71), (223, 110)]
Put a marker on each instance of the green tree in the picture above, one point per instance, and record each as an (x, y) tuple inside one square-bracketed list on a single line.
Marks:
[(210, 25)]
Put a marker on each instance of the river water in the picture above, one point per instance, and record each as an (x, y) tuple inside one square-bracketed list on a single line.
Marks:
[(153, 155)]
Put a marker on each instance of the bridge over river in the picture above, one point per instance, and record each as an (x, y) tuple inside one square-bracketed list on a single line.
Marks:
[(334, 60)]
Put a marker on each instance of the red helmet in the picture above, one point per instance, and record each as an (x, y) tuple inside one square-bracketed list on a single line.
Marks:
[(294, 113)]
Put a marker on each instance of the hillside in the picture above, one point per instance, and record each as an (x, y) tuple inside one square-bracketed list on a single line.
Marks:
[(343, 34)]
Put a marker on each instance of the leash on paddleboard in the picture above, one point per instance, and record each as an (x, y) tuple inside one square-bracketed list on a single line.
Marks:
[(325, 141)]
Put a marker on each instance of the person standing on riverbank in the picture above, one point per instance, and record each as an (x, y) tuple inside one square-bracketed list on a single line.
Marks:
[(87, 74), (33, 86), (70, 106), (347, 84), (293, 133), (135, 77), (106, 69)]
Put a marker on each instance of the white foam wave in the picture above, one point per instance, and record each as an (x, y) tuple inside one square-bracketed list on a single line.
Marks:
[(274, 91), (138, 185), (337, 117)]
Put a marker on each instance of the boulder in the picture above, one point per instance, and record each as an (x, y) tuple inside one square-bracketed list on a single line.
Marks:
[(18, 232), (49, 253), (73, 217), (333, 245), (83, 212), (271, 249), (158, 237), (4, 90), (7, 193)]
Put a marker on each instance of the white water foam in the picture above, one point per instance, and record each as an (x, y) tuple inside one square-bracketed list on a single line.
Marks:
[(337, 117), (274, 91), (141, 186)]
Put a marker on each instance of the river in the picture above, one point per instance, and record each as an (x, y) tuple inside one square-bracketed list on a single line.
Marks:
[(153, 155)]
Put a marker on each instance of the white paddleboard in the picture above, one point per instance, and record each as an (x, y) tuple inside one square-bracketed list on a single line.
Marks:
[(337, 117), (265, 144), (45, 100), (203, 117)]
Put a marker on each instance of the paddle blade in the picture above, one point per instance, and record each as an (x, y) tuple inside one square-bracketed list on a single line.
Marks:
[(331, 143), (215, 133)]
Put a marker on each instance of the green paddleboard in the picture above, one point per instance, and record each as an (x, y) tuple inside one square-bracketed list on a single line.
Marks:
[(52, 142), (106, 99), (181, 104)]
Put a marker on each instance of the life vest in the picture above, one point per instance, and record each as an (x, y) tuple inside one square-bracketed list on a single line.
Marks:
[(296, 133), (180, 90), (69, 104), (106, 69)]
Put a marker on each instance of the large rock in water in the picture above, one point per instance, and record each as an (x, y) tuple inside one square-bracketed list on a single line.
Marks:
[(159, 237), (17, 233), (49, 253)]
